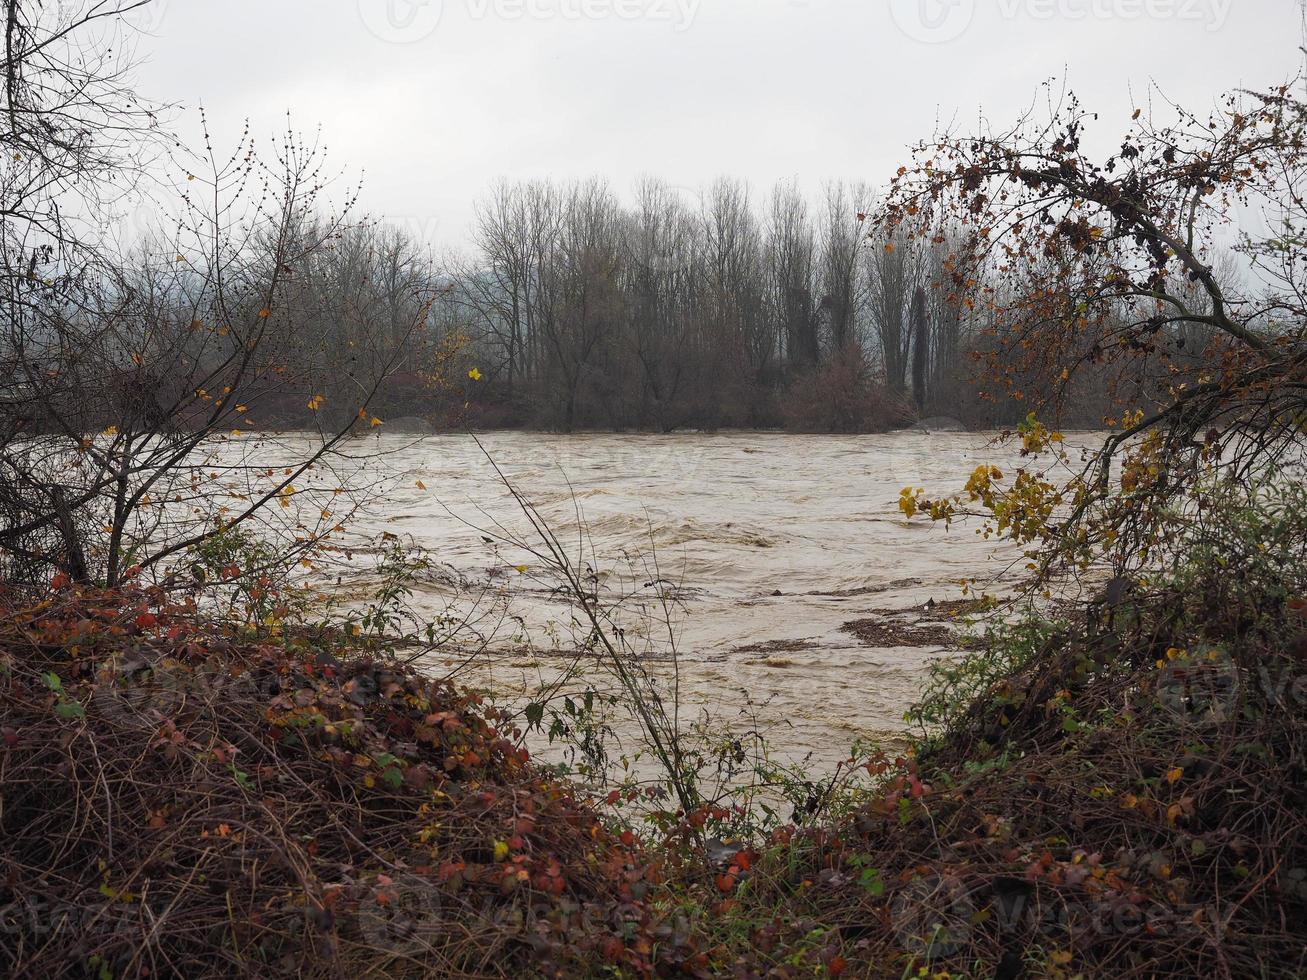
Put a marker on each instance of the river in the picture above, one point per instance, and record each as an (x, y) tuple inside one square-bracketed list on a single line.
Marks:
[(775, 544)]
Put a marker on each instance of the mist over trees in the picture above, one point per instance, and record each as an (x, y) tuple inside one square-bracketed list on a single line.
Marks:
[(720, 308), (726, 308), (573, 305)]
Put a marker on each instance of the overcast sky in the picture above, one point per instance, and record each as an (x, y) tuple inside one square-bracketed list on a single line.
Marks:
[(430, 101)]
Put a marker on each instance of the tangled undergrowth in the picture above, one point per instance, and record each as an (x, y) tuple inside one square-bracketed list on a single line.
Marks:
[(177, 799), (1123, 794), (1120, 796)]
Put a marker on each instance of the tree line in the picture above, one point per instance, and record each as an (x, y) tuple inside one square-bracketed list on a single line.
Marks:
[(726, 308), (720, 308)]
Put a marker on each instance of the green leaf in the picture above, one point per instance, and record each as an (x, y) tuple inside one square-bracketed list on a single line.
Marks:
[(535, 715)]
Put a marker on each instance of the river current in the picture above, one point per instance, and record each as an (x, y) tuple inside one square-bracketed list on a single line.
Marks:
[(775, 543)]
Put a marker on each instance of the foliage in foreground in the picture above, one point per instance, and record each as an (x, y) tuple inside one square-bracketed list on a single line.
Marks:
[(1118, 795), (1122, 795), (177, 799)]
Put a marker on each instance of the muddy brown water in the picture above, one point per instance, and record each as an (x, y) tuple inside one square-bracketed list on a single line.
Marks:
[(775, 543)]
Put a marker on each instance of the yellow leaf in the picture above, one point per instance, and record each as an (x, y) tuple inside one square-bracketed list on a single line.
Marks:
[(376, 422), (1175, 775), (474, 374), (421, 485), (501, 850), (908, 503), (111, 431)]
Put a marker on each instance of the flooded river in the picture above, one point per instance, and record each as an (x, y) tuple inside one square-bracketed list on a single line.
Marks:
[(775, 543)]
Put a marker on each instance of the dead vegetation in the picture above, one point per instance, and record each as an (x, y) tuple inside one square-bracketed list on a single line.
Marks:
[(886, 632), (180, 800), (1120, 795)]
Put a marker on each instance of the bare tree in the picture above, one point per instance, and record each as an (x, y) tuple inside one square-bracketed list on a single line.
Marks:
[(127, 385)]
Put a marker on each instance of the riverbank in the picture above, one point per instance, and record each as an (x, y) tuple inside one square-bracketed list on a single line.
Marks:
[(1120, 793)]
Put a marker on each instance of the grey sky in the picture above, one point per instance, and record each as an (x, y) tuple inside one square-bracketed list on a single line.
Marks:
[(431, 110)]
